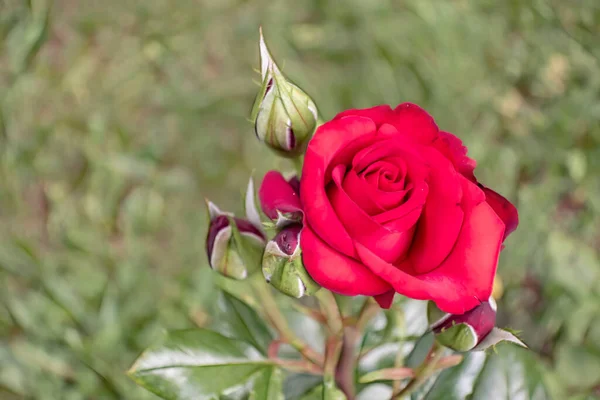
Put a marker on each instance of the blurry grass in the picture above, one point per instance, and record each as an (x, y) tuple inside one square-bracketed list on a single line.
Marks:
[(118, 117)]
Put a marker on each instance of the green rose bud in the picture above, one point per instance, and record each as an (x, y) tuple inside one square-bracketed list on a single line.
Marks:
[(234, 246), (282, 264), (284, 116)]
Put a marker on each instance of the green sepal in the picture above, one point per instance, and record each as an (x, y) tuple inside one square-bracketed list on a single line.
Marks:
[(287, 273), (459, 337)]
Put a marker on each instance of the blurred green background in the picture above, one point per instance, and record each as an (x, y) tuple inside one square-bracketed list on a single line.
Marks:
[(117, 118)]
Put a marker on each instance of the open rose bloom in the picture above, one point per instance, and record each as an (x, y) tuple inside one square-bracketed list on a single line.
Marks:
[(391, 205), (375, 202)]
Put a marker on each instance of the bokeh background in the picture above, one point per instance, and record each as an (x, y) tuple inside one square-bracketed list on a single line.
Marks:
[(117, 119)]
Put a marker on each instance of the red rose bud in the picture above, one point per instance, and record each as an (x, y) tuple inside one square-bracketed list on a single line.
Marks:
[(284, 116), (280, 199), (282, 264), (463, 332), (233, 245)]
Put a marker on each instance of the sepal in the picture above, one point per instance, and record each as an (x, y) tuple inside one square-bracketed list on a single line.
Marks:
[(282, 264)]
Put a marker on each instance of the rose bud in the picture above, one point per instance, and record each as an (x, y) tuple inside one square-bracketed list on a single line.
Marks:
[(280, 199), (234, 245), (282, 264), (284, 116), (462, 332), (473, 330)]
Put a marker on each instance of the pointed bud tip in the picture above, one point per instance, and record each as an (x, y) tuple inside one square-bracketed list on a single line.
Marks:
[(252, 214), (213, 210), (266, 60)]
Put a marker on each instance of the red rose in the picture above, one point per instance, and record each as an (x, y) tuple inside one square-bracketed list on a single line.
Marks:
[(391, 205)]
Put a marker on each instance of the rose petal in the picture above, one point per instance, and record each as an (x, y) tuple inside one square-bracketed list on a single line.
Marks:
[(378, 114), (277, 194), (397, 157), (465, 277), (389, 245), (361, 192), (379, 177), (386, 299), (405, 216), (442, 215), (505, 210), (414, 122), (333, 141), (336, 272), (453, 149)]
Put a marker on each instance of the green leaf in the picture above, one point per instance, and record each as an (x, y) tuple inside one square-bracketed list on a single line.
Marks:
[(419, 352), (236, 319), (268, 386), (511, 373), (196, 364)]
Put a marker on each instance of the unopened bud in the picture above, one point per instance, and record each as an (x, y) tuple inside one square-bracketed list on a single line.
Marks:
[(234, 245), (282, 264), (280, 199), (463, 332), (284, 116)]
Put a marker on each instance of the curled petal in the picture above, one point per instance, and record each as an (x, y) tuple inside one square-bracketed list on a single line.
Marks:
[(464, 278), (414, 122), (440, 222), (330, 142), (505, 210), (389, 245), (378, 114), (362, 193), (337, 272), (454, 150)]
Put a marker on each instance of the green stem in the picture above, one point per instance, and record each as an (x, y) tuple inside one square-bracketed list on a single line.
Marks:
[(340, 358), (368, 310), (298, 366), (423, 372), (331, 311), (274, 315)]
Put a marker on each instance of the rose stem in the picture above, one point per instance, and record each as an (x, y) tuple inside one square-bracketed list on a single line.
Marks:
[(347, 363), (298, 366), (423, 372), (368, 310), (339, 355), (399, 361), (273, 314), (309, 312)]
